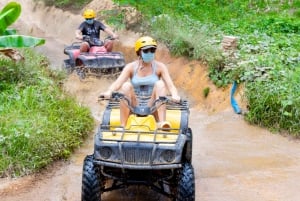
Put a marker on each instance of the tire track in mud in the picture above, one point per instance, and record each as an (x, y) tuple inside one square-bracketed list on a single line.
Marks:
[(232, 160)]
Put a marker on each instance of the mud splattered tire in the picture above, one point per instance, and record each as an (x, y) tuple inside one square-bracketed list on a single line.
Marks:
[(186, 184), (91, 189), (67, 67)]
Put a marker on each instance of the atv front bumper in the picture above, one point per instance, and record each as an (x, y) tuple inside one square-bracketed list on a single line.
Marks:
[(137, 152)]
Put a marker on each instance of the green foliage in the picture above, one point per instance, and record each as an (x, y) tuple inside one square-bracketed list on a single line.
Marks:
[(114, 17), (20, 41), (206, 91), (8, 15), (273, 25), (10, 32), (276, 104), (189, 38), (38, 123), (66, 4)]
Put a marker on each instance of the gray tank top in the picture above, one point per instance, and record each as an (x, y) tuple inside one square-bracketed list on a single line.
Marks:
[(143, 86)]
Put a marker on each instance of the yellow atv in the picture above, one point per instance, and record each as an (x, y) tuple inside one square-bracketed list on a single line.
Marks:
[(141, 153)]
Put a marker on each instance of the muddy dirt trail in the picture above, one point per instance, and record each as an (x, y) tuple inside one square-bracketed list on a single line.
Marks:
[(233, 160)]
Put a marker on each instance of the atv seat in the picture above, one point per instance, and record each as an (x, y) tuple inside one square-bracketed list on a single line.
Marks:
[(146, 123)]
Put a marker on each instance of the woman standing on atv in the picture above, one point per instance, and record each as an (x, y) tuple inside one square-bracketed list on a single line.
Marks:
[(149, 79), (91, 28)]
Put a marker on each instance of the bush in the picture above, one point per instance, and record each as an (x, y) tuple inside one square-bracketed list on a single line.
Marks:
[(38, 123), (276, 104), (66, 3)]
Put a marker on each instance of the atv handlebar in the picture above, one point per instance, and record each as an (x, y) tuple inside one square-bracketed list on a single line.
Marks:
[(140, 110), (96, 41)]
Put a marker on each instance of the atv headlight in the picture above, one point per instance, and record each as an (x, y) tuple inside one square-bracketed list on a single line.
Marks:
[(105, 152), (168, 155)]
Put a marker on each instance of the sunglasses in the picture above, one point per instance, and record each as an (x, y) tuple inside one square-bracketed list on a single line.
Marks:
[(89, 18), (152, 50)]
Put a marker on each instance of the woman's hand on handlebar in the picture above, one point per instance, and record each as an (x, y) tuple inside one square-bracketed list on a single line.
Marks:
[(176, 98), (105, 95)]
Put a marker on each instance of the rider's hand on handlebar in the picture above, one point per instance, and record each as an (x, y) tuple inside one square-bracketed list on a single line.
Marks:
[(105, 95), (176, 98), (115, 36)]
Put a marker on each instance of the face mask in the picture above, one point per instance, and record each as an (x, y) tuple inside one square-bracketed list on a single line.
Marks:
[(147, 57), (90, 21)]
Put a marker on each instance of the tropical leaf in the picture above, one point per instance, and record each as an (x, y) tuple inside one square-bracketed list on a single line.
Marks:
[(8, 15), (10, 32), (20, 41)]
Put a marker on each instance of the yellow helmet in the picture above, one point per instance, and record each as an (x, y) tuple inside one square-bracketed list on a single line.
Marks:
[(143, 42), (89, 13)]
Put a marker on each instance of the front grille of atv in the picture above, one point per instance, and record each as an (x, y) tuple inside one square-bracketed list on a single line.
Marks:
[(137, 156)]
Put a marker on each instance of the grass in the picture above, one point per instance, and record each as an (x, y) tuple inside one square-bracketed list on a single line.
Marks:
[(66, 4), (38, 122), (276, 105)]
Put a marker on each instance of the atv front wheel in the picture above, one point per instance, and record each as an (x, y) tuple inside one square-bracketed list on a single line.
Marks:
[(186, 183), (67, 66), (187, 157), (81, 72), (91, 185)]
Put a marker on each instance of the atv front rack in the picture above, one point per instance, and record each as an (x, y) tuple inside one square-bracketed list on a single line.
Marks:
[(118, 134)]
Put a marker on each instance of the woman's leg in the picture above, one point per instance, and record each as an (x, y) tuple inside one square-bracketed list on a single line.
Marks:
[(128, 91), (160, 90)]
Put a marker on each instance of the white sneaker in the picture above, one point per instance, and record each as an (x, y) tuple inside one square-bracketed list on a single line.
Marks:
[(165, 125), (119, 129)]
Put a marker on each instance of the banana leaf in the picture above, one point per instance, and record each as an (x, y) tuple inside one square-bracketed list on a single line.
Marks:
[(10, 32), (8, 15), (11, 41)]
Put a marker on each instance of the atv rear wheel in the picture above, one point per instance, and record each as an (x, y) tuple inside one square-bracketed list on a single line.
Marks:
[(186, 184), (91, 185)]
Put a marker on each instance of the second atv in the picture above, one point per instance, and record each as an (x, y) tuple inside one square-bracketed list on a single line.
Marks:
[(98, 61)]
